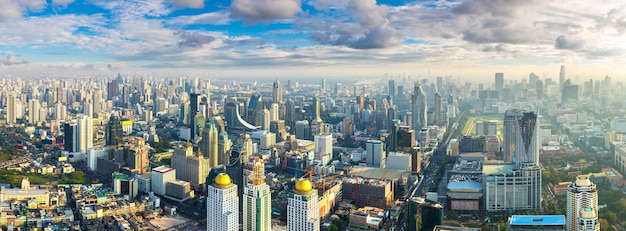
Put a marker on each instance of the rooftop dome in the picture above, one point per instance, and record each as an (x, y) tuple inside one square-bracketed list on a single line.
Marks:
[(222, 179), (303, 185), (583, 181)]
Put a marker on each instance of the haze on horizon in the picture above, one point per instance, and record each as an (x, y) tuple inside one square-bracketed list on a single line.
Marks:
[(313, 38)]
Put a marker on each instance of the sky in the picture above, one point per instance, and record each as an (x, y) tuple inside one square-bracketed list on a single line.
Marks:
[(470, 39)]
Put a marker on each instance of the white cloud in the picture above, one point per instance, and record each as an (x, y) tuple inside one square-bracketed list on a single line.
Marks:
[(253, 11), (189, 3), (62, 3), (12, 59), (10, 10), (34, 5)]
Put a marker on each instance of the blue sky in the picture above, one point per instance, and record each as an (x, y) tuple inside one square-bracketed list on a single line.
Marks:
[(312, 38)]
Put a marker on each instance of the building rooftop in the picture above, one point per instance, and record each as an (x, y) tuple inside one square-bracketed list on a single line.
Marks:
[(498, 169), (379, 173), (537, 220), (465, 186)]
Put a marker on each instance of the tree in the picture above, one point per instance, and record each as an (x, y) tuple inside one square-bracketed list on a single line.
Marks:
[(604, 224), (610, 217)]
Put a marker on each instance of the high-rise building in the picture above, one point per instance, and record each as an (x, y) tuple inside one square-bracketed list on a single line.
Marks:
[(392, 88), (511, 118), (70, 133), (179, 160), (582, 205), (85, 133), (33, 111), (277, 96), (423, 215), (375, 153), (274, 112), (527, 140), (209, 143), (160, 177), (562, 77), (324, 147), (323, 87), (11, 109), (438, 120), (303, 208), (257, 204), (113, 132), (222, 205), (419, 108), (499, 81), (60, 112)]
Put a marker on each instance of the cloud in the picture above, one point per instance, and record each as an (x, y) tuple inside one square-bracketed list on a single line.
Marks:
[(212, 18), (10, 10), (613, 22), (253, 11), (12, 59), (34, 5), (62, 3), (193, 39), (189, 3), (361, 24), (567, 43)]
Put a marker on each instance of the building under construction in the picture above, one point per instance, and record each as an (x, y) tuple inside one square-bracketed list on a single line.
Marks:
[(330, 194), (368, 192)]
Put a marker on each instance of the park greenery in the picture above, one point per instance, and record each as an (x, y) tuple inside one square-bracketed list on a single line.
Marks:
[(15, 178)]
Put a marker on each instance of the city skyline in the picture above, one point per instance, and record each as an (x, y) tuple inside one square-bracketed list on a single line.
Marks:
[(281, 38)]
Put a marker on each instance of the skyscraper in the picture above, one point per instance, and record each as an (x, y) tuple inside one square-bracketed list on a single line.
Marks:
[(562, 77), (179, 160), (392, 88), (222, 205), (527, 140), (85, 133), (438, 120), (419, 107), (511, 118), (257, 205), (277, 96), (303, 208), (324, 147), (11, 112), (499, 81), (582, 205), (33, 111), (209, 143)]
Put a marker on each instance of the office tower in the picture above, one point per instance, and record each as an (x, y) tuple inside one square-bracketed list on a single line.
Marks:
[(324, 147), (290, 114), (569, 92), (400, 93), (88, 108), (11, 109), (392, 144), (209, 143), (85, 133), (179, 160), (562, 77), (527, 139), (317, 125), (582, 205), (419, 108), (303, 208), (113, 134), (160, 177), (510, 127), (60, 112), (302, 130), (257, 205), (197, 169), (392, 88), (224, 145), (499, 81), (193, 110), (33, 111), (423, 215), (274, 110), (137, 159), (438, 120), (375, 153), (263, 119), (439, 83), (70, 133), (125, 185), (360, 101), (277, 96), (323, 87), (222, 205), (97, 102)]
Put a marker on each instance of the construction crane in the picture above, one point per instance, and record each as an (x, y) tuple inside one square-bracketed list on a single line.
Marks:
[(307, 173)]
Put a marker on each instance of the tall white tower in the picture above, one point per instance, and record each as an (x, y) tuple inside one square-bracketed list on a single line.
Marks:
[(11, 109), (303, 208), (324, 147), (33, 111), (582, 206), (222, 204), (85, 133), (257, 204)]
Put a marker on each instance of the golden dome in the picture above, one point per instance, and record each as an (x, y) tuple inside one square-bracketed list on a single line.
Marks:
[(222, 179), (303, 185)]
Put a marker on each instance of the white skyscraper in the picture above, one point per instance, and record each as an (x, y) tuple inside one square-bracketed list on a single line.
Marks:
[(324, 147), (375, 153), (257, 204), (85, 133), (582, 206), (303, 208), (11, 109), (222, 205), (159, 178), (274, 112), (33, 111)]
